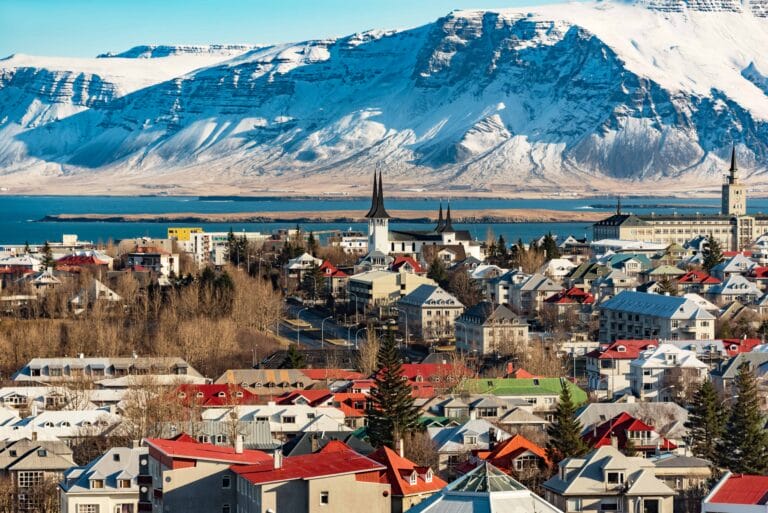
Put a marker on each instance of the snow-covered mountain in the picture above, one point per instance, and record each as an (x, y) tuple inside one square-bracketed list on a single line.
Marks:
[(578, 97)]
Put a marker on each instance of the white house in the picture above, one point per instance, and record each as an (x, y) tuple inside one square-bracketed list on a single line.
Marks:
[(663, 372), (105, 485)]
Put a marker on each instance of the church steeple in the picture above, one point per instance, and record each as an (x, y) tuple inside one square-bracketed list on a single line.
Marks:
[(377, 210), (448, 225), (440, 219), (734, 167), (618, 205), (734, 199)]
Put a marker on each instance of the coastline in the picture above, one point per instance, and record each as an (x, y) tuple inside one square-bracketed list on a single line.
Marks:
[(475, 216)]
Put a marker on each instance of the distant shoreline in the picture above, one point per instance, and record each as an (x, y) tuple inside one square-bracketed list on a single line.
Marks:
[(475, 216)]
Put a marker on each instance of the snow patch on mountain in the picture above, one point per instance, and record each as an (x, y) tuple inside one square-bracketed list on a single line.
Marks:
[(157, 51)]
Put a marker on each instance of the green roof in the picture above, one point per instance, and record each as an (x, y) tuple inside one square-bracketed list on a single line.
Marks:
[(523, 387)]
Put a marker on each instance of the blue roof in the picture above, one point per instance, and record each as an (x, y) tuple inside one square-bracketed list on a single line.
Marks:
[(656, 305)]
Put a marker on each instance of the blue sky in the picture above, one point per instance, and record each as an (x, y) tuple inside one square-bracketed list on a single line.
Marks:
[(89, 27)]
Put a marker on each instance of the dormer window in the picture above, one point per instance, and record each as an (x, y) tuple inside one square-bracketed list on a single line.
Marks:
[(621, 349), (199, 395), (614, 477), (97, 484), (182, 395), (238, 394), (412, 479), (428, 476), (221, 394), (470, 439)]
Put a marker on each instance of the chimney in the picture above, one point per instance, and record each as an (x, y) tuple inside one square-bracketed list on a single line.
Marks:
[(472, 415), (34, 436), (614, 441), (239, 444), (491, 438), (400, 448), (314, 443), (278, 459)]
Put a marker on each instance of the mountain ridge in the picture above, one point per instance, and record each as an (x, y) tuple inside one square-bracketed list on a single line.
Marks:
[(514, 100)]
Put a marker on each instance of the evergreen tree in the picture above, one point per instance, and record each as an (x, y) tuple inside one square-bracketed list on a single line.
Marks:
[(311, 244), (630, 449), (744, 447), (550, 247), (27, 249), (437, 272), (293, 358), (565, 431), (713, 254), (706, 422), (501, 248), (314, 282), (216, 292), (667, 287), (48, 260), (392, 413)]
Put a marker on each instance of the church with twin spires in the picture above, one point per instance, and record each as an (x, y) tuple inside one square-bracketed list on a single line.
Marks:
[(733, 227), (384, 243)]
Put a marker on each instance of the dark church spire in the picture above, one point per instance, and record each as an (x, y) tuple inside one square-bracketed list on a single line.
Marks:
[(448, 225), (618, 205), (377, 210), (440, 219), (734, 167)]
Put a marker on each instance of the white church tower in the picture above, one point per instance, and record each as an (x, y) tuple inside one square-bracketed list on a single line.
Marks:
[(378, 221), (734, 192)]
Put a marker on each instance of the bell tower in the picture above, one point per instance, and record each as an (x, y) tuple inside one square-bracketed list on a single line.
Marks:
[(734, 202), (378, 220)]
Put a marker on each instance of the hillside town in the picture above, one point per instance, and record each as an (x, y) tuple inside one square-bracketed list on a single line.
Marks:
[(394, 370)]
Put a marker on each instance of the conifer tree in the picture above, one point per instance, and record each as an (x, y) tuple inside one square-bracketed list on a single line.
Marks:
[(565, 431), (293, 358), (744, 447), (713, 254), (48, 261), (550, 247), (706, 422), (311, 244), (437, 272), (392, 413)]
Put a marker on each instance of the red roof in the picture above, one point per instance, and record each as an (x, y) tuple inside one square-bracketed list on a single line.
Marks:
[(743, 345), (80, 260), (151, 250), (339, 459), (331, 271), (728, 254), (216, 395), (400, 261), (759, 272), (697, 276), (619, 426), (334, 374), (312, 397), (434, 371), (518, 373), (400, 470), (573, 295), (742, 489), (613, 351), (199, 451), (507, 451)]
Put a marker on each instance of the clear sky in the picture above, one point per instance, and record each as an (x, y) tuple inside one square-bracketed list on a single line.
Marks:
[(89, 27)]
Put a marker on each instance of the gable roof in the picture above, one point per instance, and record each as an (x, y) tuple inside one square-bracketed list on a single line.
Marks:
[(740, 489), (619, 426), (656, 305), (504, 452), (622, 349), (400, 469)]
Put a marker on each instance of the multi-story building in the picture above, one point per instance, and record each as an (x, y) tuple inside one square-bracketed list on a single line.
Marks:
[(528, 296), (665, 372), (335, 479), (53, 370), (608, 366), (732, 228), (487, 329), (380, 289), (105, 485), (636, 315), (185, 475), (154, 259), (429, 313)]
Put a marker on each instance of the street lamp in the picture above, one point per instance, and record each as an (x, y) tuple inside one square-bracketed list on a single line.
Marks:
[(406, 324), (356, 298), (298, 326), (322, 331), (357, 333)]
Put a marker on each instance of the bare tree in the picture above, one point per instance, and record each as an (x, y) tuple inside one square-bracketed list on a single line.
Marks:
[(367, 354)]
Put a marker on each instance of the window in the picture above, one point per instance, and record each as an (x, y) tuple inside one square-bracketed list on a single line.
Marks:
[(226, 482), (87, 508), (324, 498), (225, 508), (97, 484), (609, 506), (614, 477), (289, 419), (30, 478), (124, 508), (470, 439), (123, 483), (412, 479), (42, 453), (574, 505), (116, 457)]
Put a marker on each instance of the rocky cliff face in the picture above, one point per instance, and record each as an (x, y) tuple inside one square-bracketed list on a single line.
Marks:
[(580, 96)]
